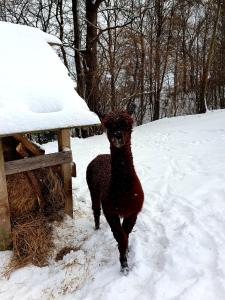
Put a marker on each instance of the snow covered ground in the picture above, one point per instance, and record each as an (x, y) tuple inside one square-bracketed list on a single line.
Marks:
[(177, 250)]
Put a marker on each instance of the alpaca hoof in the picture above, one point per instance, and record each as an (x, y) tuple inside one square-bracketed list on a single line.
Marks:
[(124, 266), (125, 270)]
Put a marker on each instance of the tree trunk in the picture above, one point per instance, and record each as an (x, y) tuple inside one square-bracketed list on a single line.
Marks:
[(202, 105), (91, 70), (77, 55), (60, 20), (156, 110)]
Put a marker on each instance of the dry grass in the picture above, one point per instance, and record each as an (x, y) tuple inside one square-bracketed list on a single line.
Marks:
[(32, 241), (22, 199), (53, 192), (31, 227)]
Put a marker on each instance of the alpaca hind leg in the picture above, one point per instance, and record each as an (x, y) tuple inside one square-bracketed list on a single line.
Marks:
[(97, 213), (121, 237), (96, 207)]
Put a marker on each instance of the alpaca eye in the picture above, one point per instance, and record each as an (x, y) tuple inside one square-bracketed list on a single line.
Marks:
[(110, 132), (118, 134)]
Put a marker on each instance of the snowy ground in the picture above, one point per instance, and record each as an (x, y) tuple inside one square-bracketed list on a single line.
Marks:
[(178, 245)]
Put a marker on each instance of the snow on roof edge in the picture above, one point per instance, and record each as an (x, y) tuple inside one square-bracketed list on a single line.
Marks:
[(49, 38), (36, 92)]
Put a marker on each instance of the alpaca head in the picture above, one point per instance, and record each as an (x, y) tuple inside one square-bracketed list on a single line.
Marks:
[(119, 128)]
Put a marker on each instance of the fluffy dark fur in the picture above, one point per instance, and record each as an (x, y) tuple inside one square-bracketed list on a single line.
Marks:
[(114, 184)]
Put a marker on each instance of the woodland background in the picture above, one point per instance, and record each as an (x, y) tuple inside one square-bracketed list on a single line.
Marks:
[(166, 58)]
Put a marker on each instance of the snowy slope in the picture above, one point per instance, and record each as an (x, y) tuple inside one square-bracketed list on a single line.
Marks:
[(178, 245)]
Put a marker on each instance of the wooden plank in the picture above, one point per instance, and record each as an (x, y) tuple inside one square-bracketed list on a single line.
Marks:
[(64, 145), (5, 225), (41, 161)]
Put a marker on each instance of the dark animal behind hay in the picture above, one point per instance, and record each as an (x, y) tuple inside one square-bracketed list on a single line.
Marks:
[(9, 148)]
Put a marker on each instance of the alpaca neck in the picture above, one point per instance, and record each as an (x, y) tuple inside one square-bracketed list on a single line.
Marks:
[(122, 166)]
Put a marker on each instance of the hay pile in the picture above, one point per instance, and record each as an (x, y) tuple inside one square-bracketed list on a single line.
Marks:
[(31, 223), (22, 199), (32, 241)]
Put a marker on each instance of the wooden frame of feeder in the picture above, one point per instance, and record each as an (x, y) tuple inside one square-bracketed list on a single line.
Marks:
[(63, 157)]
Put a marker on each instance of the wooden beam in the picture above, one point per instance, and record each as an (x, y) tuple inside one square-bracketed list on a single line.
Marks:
[(34, 149), (5, 224), (36, 188), (64, 145), (37, 162)]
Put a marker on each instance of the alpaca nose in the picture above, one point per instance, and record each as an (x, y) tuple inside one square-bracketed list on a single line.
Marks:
[(118, 134)]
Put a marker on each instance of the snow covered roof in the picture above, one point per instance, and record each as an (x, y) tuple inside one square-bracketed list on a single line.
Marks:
[(36, 92)]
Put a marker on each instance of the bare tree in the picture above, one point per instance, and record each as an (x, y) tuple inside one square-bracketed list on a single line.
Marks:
[(202, 105), (164, 57), (77, 49)]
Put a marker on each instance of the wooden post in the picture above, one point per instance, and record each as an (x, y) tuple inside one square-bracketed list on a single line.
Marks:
[(64, 145), (5, 224)]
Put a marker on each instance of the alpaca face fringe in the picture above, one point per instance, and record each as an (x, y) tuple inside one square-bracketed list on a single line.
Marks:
[(118, 139), (119, 128)]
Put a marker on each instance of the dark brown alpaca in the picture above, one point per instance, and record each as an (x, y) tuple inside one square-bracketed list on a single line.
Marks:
[(114, 184)]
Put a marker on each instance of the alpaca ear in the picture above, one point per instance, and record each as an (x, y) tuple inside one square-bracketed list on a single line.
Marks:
[(126, 120), (107, 120)]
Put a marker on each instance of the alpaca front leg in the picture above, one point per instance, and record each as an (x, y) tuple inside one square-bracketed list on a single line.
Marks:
[(121, 237), (128, 223)]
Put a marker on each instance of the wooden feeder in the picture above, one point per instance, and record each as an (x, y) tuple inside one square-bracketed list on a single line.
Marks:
[(59, 123), (63, 158)]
